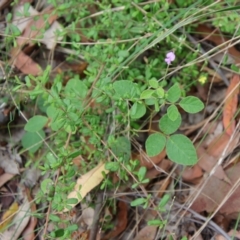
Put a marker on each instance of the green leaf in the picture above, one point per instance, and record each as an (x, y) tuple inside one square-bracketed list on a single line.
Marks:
[(126, 89), (141, 173), (14, 30), (174, 93), (112, 166), (153, 83), (146, 94), (32, 141), (123, 53), (155, 144), (228, 9), (72, 201), (160, 92), (181, 150), (54, 218), (121, 147), (172, 112), (76, 87), (167, 126), (235, 68), (35, 123), (59, 233), (138, 202), (155, 222), (191, 104), (73, 227), (137, 110), (56, 116), (163, 202), (75, 154), (46, 185)]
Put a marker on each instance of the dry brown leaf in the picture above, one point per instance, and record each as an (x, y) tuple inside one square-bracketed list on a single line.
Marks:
[(208, 158), (29, 233), (234, 233), (216, 37), (5, 177), (190, 174), (49, 38), (121, 221), (19, 222), (222, 221), (31, 176), (88, 215), (217, 146), (208, 162), (25, 26), (86, 183), (147, 233), (147, 161), (24, 63), (4, 3), (216, 190), (8, 162), (163, 166), (21, 22), (230, 105), (39, 24), (8, 216)]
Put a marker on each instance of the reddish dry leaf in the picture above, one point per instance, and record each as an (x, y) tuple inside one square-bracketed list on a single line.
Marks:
[(222, 221), (234, 233), (217, 146), (149, 161), (4, 3), (28, 233), (207, 163), (163, 187), (163, 166), (190, 174), (230, 105), (147, 233), (216, 190), (121, 221), (24, 63), (208, 158), (202, 91), (5, 177)]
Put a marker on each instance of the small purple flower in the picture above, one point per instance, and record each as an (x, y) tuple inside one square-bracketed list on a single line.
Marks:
[(170, 57)]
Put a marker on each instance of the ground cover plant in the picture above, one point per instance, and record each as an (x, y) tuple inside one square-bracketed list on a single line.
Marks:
[(119, 119)]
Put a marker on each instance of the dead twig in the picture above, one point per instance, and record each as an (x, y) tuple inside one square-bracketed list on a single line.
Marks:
[(94, 229)]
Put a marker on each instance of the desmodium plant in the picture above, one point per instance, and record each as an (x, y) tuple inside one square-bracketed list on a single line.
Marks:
[(129, 78)]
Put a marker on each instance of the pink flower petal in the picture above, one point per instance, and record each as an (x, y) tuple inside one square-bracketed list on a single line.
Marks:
[(171, 56), (168, 61)]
